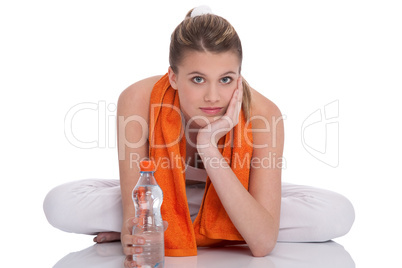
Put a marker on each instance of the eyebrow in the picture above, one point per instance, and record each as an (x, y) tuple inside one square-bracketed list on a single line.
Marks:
[(199, 73)]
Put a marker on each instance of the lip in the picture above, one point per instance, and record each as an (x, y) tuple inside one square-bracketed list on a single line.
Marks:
[(211, 110)]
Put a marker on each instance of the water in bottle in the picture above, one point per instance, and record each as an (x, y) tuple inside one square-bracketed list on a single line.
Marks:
[(147, 198)]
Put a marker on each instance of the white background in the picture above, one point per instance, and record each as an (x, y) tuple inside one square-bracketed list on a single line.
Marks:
[(302, 55)]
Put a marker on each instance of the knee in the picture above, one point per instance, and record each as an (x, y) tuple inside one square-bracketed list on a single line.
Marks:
[(345, 214), (80, 206), (60, 205), (53, 206), (337, 217)]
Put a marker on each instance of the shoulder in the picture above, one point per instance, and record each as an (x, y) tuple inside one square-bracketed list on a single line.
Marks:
[(135, 98), (261, 106), (141, 89), (267, 121)]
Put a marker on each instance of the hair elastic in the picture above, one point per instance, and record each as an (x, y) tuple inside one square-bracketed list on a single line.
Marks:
[(201, 10)]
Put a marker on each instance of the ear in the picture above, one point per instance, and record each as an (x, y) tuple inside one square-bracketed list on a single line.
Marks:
[(172, 78)]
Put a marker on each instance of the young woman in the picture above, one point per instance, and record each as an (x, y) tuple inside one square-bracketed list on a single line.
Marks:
[(217, 144)]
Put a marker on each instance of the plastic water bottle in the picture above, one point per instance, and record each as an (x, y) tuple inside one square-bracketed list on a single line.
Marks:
[(147, 198)]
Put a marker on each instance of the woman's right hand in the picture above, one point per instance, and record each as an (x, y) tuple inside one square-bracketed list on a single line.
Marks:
[(132, 243)]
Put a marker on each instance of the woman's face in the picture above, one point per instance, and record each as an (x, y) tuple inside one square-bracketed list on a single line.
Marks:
[(205, 82)]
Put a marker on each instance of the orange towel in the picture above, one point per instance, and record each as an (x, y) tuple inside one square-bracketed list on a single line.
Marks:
[(168, 149)]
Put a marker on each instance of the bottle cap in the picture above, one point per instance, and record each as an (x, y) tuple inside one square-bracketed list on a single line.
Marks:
[(147, 166)]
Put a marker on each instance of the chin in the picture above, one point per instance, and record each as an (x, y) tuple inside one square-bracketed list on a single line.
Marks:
[(202, 122)]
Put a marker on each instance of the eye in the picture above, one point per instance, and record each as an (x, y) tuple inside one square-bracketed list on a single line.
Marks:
[(226, 80), (198, 80)]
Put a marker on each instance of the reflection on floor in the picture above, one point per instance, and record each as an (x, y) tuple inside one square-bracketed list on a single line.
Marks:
[(286, 255)]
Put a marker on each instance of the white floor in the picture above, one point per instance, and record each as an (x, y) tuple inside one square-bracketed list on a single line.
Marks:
[(289, 255)]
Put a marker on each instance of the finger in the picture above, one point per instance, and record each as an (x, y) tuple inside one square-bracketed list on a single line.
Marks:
[(129, 240), (165, 225), (130, 223), (232, 105), (132, 250), (239, 100), (240, 88), (128, 262)]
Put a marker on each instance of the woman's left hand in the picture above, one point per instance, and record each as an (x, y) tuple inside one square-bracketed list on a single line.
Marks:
[(211, 133)]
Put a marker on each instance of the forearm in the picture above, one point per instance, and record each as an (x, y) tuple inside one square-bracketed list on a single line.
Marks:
[(127, 186), (256, 225), (129, 174)]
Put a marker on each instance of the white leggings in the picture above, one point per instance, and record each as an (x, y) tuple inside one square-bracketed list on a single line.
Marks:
[(94, 205)]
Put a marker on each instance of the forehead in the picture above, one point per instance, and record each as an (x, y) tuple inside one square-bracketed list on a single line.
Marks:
[(209, 63)]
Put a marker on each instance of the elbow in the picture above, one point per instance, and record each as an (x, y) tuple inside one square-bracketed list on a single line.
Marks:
[(263, 241), (263, 248), (263, 251)]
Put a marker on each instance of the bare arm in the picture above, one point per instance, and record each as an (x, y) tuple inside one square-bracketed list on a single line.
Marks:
[(132, 131), (255, 213), (132, 134)]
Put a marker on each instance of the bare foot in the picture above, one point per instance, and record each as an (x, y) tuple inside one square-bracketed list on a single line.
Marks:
[(106, 237)]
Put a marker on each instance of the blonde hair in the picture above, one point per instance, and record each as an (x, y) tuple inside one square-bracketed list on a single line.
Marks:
[(207, 32)]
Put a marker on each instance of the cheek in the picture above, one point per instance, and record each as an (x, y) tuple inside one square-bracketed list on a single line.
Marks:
[(189, 95), (187, 101), (228, 96)]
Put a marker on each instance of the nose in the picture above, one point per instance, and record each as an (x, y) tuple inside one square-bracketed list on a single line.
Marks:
[(212, 94)]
